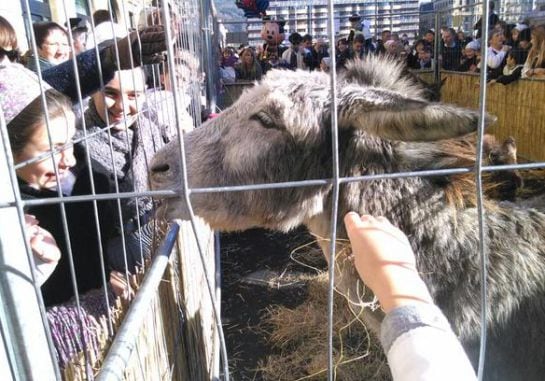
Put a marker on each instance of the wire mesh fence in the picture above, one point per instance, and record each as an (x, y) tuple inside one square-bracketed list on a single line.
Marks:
[(82, 192)]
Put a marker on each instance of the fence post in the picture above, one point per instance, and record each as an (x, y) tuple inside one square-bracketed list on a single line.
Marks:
[(24, 338), (208, 55), (437, 50)]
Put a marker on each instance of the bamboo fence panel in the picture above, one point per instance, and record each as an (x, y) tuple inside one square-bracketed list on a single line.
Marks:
[(177, 340), (519, 107)]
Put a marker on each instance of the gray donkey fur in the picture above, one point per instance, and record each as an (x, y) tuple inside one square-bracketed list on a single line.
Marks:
[(280, 131)]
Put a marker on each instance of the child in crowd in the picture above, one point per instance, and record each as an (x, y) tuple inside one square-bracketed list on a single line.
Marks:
[(416, 336), (470, 58), (52, 43), (511, 71), (229, 58), (42, 174), (325, 64), (515, 33)]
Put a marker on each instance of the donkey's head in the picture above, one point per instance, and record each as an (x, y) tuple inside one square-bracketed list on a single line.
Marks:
[(280, 131)]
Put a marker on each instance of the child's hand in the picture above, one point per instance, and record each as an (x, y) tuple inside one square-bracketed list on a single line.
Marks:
[(385, 261), (44, 246)]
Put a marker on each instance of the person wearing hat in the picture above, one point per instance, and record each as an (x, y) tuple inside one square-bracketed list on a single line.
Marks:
[(46, 171), (470, 57), (355, 26), (294, 55)]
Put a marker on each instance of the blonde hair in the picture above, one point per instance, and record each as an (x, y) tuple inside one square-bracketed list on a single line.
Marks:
[(536, 55)]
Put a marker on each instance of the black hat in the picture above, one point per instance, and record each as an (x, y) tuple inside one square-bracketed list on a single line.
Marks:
[(77, 22), (354, 17)]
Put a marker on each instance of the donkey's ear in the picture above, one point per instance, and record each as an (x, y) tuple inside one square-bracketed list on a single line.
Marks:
[(394, 116)]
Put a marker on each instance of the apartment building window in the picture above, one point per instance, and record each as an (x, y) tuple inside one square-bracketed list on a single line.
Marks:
[(39, 11), (82, 8)]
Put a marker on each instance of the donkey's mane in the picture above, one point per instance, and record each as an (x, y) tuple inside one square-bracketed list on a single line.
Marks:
[(460, 189)]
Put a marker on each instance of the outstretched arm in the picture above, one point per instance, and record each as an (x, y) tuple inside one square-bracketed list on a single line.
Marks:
[(415, 335), (138, 48)]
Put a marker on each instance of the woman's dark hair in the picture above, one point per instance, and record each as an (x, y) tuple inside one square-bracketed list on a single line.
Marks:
[(24, 125), (102, 15), (525, 35), (43, 29), (8, 41)]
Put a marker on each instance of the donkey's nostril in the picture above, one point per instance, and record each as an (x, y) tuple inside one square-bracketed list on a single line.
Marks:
[(159, 168)]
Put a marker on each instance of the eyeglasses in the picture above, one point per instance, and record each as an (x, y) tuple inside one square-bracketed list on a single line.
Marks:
[(57, 44)]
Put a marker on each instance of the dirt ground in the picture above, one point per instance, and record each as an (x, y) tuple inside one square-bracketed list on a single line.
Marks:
[(257, 274)]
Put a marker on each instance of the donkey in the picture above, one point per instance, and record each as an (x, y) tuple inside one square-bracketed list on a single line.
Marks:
[(279, 131)]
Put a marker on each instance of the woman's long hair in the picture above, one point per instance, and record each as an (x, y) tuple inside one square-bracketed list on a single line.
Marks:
[(536, 55), (250, 70)]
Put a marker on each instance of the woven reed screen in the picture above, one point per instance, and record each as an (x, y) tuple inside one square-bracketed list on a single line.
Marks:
[(519, 107)]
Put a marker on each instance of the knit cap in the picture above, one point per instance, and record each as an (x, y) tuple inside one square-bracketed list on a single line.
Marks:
[(475, 45), (18, 88)]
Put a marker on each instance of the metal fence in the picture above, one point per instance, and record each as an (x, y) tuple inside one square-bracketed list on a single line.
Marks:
[(193, 37), (32, 349)]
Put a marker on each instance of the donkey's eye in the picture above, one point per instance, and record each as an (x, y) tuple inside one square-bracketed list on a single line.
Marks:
[(265, 119)]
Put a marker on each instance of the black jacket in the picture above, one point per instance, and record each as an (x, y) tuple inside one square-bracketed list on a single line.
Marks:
[(82, 230)]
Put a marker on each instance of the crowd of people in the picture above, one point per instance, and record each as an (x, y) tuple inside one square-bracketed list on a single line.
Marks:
[(514, 51), (117, 130)]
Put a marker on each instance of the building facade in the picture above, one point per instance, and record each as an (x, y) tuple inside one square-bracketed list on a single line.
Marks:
[(427, 18), (400, 16), (511, 11), (54, 10)]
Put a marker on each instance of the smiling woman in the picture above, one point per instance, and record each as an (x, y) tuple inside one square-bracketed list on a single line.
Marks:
[(30, 139), (116, 122), (52, 44)]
